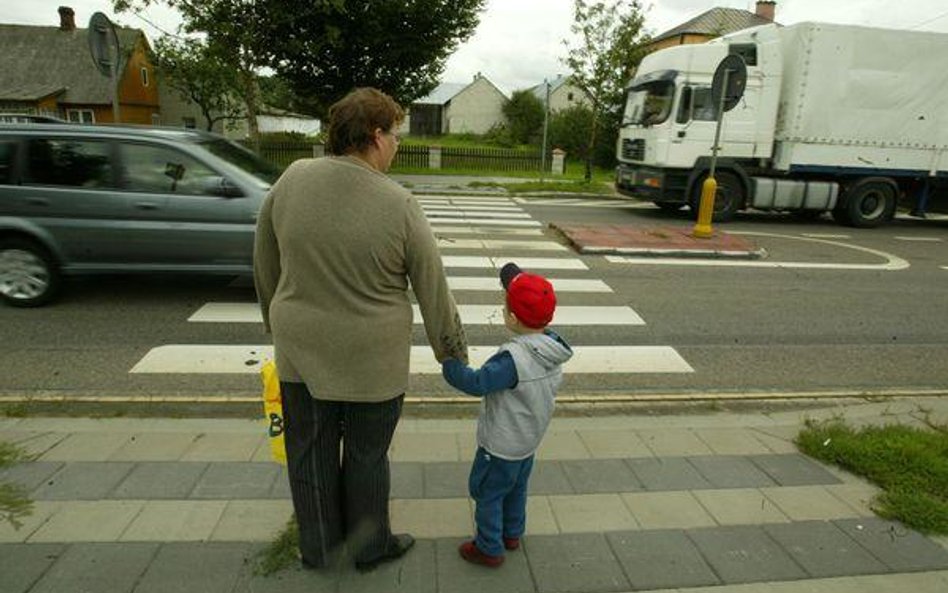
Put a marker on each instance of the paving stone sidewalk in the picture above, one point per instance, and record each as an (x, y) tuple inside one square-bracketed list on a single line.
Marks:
[(717, 502)]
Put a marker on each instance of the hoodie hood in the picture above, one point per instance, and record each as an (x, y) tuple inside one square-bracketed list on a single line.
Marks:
[(547, 348)]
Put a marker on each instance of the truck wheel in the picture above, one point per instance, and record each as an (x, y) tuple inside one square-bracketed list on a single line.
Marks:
[(869, 203), (728, 199), (29, 276), (669, 206)]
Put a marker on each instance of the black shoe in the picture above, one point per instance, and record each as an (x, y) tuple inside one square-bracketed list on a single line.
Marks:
[(400, 544)]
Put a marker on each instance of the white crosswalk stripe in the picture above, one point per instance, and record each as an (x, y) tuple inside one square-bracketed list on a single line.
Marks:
[(470, 314), (236, 359), (495, 227), (497, 244)]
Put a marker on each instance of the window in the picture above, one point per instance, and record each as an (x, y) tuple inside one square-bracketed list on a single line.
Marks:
[(695, 104), (650, 103), (190, 123), (569, 97), (82, 116), (245, 159), (158, 169), (144, 76), (748, 51), (7, 153), (69, 162), (155, 119)]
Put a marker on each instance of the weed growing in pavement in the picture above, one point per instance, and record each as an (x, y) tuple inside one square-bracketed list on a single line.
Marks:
[(14, 505), (282, 551), (910, 465)]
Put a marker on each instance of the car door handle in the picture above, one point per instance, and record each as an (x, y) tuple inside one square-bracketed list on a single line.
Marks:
[(146, 206), (37, 202)]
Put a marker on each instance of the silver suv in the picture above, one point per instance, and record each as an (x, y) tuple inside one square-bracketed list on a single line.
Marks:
[(78, 199)]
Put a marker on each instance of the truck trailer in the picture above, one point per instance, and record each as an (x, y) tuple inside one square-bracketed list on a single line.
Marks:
[(846, 119)]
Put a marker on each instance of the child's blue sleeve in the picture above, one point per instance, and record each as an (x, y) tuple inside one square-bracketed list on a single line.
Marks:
[(498, 373)]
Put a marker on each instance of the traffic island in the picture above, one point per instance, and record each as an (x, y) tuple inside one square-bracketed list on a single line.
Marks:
[(655, 241)]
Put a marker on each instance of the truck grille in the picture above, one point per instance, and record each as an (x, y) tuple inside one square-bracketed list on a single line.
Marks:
[(633, 150)]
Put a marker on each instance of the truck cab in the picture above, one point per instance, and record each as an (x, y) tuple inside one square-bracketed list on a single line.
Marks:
[(669, 121)]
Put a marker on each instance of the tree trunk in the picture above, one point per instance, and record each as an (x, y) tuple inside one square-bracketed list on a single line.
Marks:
[(591, 147)]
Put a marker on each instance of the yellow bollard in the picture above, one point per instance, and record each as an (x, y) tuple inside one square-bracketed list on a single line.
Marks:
[(702, 229)]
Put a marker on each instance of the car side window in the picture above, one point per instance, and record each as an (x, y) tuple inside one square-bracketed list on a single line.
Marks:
[(69, 162), (7, 153), (159, 169)]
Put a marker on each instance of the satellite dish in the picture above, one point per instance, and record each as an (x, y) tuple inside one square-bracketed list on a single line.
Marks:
[(102, 38)]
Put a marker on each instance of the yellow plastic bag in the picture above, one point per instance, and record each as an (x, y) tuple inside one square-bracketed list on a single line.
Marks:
[(273, 410)]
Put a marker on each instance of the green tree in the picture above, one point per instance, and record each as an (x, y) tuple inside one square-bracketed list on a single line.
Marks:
[(198, 73), (325, 49), (235, 31), (524, 114), (610, 46)]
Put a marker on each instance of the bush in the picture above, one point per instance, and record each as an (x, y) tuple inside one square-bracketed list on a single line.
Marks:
[(569, 131), (524, 113)]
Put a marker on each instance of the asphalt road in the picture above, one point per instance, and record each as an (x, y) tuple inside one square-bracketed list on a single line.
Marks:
[(741, 329)]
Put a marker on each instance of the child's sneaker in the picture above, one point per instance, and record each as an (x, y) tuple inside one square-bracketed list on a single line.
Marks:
[(470, 552), (511, 543)]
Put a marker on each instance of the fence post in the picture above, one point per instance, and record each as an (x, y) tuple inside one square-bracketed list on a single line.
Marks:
[(434, 157), (559, 161), (319, 150)]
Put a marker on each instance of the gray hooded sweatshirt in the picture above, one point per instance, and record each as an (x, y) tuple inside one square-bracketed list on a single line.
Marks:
[(512, 422)]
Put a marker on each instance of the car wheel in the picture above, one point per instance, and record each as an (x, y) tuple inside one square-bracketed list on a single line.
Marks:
[(728, 199), (29, 276), (870, 203)]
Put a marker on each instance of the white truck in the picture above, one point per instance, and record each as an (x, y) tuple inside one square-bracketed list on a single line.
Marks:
[(834, 118)]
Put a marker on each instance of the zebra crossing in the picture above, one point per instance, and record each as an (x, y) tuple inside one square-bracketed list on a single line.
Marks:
[(488, 231)]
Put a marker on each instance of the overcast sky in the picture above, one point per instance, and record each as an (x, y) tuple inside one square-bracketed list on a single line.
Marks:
[(519, 42)]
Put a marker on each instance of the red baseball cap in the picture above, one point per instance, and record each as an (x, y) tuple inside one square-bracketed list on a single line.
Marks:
[(529, 296)]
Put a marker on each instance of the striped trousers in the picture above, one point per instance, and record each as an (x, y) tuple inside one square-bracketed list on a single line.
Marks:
[(337, 461)]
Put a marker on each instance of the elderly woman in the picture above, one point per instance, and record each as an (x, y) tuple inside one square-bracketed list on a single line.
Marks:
[(337, 244)]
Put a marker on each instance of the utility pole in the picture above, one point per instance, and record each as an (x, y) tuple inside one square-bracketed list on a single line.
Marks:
[(546, 124)]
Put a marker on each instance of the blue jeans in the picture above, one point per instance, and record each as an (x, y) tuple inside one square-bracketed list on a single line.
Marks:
[(499, 490)]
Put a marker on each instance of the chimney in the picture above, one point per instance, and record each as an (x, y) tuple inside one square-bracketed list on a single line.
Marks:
[(766, 9), (67, 19)]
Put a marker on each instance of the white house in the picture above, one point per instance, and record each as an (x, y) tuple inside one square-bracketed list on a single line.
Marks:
[(457, 108), (563, 94)]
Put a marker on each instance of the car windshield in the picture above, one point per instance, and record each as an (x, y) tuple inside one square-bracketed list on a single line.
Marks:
[(649, 104), (244, 159)]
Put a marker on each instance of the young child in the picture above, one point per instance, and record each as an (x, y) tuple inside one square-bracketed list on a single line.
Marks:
[(518, 385)]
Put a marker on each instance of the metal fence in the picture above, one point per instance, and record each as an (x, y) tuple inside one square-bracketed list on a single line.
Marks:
[(282, 154)]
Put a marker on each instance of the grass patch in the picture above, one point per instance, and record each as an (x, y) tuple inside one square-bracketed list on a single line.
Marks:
[(14, 504), (282, 551), (594, 187), (909, 464)]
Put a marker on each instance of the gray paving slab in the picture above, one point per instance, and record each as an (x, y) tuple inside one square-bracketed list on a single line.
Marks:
[(823, 550), (294, 580), (281, 485), (23, 564), (661, 559), (577, 562), (83, 481), (30, 475), (98, 567), (415, 573), (204, 567), (455, 575), (600, 475), (446, 479), (744, 554), (548, 477), (794, 470), (730, 471), (898, 547), (667, 473), (236, 481), (407, 480), (160, 480)]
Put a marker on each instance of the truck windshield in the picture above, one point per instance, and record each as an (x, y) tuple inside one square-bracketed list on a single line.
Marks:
[(239, 156), (649, 104)]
